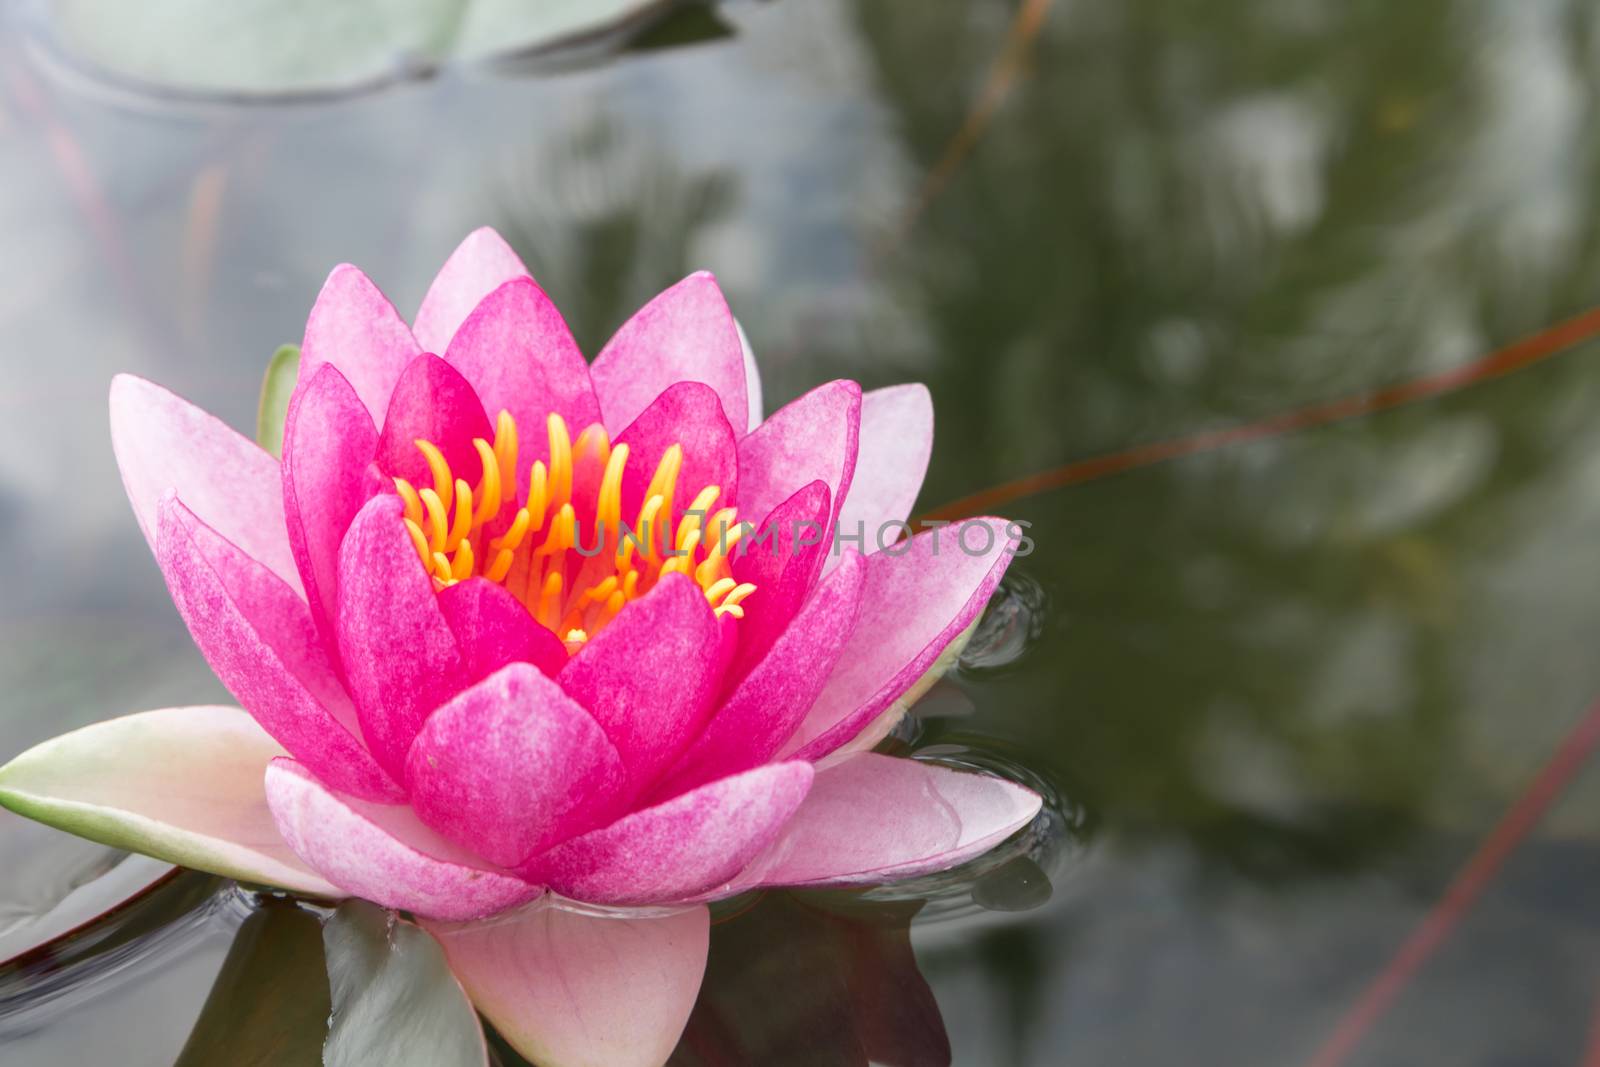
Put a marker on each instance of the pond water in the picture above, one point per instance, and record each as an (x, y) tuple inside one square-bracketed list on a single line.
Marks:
[(1279, 692)]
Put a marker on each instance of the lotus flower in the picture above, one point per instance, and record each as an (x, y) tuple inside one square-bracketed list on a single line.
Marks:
[(510, 628)]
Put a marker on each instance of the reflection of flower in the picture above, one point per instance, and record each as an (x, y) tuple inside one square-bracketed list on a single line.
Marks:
[(852, 992), (612, 665)]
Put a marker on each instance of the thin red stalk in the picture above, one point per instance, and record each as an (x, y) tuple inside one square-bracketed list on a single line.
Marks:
[(1591, 1058), (1463, 891), (1515, 356)]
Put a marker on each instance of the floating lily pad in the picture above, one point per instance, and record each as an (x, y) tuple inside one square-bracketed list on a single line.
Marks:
[(309, 47), (394, 999)]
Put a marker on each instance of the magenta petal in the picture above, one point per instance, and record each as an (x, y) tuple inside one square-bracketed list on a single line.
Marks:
[(518, 354), (782, 560), (648, 678), (686, 846), (580, 990), (163, 443), (874, 819), (755, 721), (381, 853), (810, 439), (259, 638), (918, 597), (511, 766), (687, 414), (493, 629), (896, 440), (686, 334), (400, 655), (479, 265), (328, 443), (432, 402), (354, 327)]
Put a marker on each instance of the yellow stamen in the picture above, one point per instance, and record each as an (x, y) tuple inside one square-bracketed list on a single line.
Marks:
[(438, 468), (449, 524), (436, 525), (489, 488), (462, 523), (412, 501)]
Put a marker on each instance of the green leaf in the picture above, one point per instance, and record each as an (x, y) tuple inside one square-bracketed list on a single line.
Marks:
[(269, 1005), (276, 388), (395, 1001), (297, 47)]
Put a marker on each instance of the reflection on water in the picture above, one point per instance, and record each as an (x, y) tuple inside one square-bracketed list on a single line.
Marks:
[(1276, 692)]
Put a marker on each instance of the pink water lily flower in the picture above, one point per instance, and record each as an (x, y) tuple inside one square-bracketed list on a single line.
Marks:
[(509, 627)]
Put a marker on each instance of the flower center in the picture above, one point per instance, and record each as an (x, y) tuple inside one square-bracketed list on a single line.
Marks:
[(573, 583)]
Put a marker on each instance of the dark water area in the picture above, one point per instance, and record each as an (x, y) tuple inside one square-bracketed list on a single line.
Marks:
[(1277, 693)]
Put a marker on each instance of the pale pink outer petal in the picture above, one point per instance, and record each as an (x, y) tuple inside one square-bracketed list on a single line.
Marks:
[(480, 264), (493, 629), (259, 638), (382, 853), (682, 847), (180, 784), (518, 354), (875, 819), (328, 442), (896, 441), (649, 677), (574, 990), (400, 655), (163, 442), (354, 327), (685, 334), (812, 438), (512, 766), (767, 706), (919, 596)]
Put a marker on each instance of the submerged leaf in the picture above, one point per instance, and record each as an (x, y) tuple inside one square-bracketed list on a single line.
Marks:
[(269, 1005), (395, 1001), (276, 388)]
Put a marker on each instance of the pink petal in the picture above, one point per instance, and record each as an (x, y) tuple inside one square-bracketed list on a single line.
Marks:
[(518, 354), (355, 328), (813, 438), (163, 442), (328, 442), (896, 440), (686, 334), (918, 597), (649, 677), (432, 402), (573, 990), (259, 638), (511, 766), (686, 846), (479, 265), (382, 853), (755, 721), (687, 414), (782, 560), (874, 819), (400, 656), (493, 629)]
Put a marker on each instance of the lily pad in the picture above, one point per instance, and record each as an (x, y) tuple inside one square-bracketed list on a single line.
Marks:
[(278, 48), (269, 1006), (395, 1001)]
